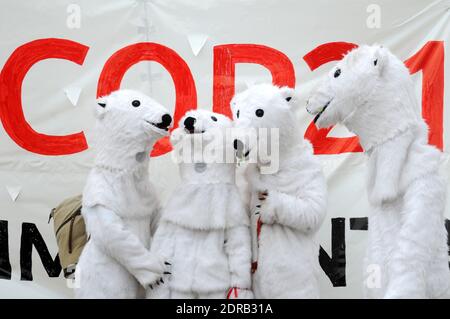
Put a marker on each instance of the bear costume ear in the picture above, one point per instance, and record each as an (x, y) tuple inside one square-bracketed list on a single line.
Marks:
[(379, 59), (101, 107), (290, 95)]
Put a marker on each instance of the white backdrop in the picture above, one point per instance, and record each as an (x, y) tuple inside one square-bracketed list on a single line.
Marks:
[(290, 26)]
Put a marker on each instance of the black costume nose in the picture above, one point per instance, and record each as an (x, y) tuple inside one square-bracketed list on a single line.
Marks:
[(238, 145), (166, 119), (189, 123)]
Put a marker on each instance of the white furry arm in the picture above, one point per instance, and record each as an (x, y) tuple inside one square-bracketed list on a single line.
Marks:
[(304, 212), (386, 163), (162, 245), (238, 249), (109, 233), (163, 240), (155, 221)]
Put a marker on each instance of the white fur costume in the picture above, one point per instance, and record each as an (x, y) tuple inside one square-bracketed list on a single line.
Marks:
[(119, 203), (370, 91), (290, 203), (204, 229)]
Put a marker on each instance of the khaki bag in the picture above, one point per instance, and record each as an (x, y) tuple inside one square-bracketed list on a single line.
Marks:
[(70, 232)]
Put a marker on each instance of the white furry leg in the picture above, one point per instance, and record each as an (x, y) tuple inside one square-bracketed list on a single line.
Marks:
[(418, 241), (373, 287), (175, 294), (384, 224), (161, 291), (213, 295)]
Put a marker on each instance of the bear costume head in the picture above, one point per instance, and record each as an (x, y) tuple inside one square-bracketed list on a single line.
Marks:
[(201, 137), (201, 122), (206, 163), (369, 91), (264, 118), (128, 125)]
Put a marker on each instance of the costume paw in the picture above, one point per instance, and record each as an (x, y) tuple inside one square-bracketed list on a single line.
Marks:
[(158, 292), (262, 195), (264, 209), (159, 288), (239, 293), (167, 269), (150, 279), (157, 268), (267, 217), (156, 283)]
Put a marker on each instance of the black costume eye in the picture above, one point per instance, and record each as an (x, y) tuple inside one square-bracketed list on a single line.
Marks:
[(259, 112), (214, 118), (135, 103), (237, 114), (337, 73)]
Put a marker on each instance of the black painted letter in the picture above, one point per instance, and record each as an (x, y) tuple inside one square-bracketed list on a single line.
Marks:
[(334, 267), (5, 265), (31, 236)]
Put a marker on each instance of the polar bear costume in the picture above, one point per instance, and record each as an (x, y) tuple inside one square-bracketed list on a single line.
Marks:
[(370, 91), (287, 206), (119, 203), (204, 229)]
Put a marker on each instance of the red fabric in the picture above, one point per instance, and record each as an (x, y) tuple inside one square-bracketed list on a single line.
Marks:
[(119, 63), (11, 111), (254, 265), (230, 292)]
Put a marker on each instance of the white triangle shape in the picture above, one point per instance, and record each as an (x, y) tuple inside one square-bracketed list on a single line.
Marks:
[(73, 94), (13, 192), (197, 41)]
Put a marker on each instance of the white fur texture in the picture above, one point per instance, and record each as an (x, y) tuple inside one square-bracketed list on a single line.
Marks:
[(295, 207), (204, 229), (373, 96), (119, 203)]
